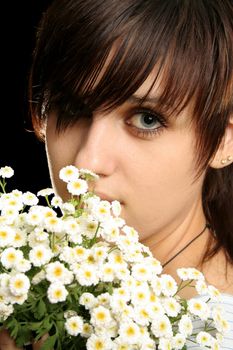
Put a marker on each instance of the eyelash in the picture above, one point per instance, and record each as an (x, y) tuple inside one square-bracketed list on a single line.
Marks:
[(147, 133)]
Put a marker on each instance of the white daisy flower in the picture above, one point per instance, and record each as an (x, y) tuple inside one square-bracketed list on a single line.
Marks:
[(67, 255), (87, 275), (45, 192), (74, 325), (10, 257), (5, 311), (57, 292), (29, 198), (99, 342), (34, 217), (40, 234), (141, 272), (19, 284), (67, 208), (18, 299), (6, 172), (140, 295), (131, 233), (14, 203), (185, 326), (220, 322), (40, 276), (4, 280), (7, 235), (100, 253), (204, 339), (183, 273), (122, 292), (169, 285), (57, 272), (195, 274), (116, 208), (130, 332), (77, 187), (40, 255), (20, 238), (101, 211), (119, 305), (88, 300), (161, 327), (178, 341), (104, 299), (23, 265), (33, 240), (69, 173), (165, 344), (157, 309), (142, 315), (53, 224), (171, 307), (201, 287), (110, 231), (56, 201), (87, 330), (107, 273), (10, 214), (80, 253), (214, 293), (100, 317), (198, 308)]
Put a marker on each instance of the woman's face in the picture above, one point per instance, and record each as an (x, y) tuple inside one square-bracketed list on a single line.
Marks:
[(145, 162)]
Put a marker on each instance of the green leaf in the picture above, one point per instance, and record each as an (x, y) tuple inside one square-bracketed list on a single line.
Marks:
[(13, 327), (34, 325), (24, 336), (41, 310), (49, 343)]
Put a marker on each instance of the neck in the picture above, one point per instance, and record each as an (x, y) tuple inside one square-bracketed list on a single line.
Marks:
[(166, 244)]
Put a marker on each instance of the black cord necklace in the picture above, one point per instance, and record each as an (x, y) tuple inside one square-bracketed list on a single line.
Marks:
[(187, 245)]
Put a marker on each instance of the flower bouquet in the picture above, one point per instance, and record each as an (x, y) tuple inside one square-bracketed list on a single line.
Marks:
[(75, 271)]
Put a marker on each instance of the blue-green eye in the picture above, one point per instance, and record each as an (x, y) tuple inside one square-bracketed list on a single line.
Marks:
[(145, 121)]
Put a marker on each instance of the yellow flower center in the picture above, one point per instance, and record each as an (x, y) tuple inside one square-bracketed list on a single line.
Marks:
[(58, 271), (130, 332), (18, 284), (101, 316), (99, 345), (88, 274), (58, 293), (3, 234), (39, 254), (11, 257)]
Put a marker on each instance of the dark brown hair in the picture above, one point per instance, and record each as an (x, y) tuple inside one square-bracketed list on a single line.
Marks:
[(190, 42)]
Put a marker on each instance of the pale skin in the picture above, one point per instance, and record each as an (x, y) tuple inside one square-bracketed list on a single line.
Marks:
[(151, 174)]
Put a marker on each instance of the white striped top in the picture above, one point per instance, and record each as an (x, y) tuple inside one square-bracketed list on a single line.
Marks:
[(227, 305)]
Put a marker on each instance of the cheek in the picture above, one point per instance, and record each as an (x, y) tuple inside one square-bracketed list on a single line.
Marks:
[(162, 185), (59, 154)]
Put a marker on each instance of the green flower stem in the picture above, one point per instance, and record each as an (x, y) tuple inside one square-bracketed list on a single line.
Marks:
[(183, 285), (47, 201), (113, 249), (3, 185), (93, 240)]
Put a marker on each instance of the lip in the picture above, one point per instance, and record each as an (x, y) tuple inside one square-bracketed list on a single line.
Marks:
[(106, 197)]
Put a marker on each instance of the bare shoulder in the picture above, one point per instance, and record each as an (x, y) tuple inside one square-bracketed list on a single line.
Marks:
[(219, 273)]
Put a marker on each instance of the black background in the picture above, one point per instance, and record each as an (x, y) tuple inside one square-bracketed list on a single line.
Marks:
[(20, 148)]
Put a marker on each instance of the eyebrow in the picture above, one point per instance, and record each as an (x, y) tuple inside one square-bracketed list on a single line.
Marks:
[(142, 99)]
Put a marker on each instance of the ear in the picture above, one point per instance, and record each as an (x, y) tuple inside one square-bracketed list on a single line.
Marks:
[(224, 154)]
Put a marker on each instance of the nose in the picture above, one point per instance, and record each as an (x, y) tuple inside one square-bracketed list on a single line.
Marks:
[(96, 150)]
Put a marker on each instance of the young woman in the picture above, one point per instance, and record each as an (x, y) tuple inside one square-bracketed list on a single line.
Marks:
[(141, 93)]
